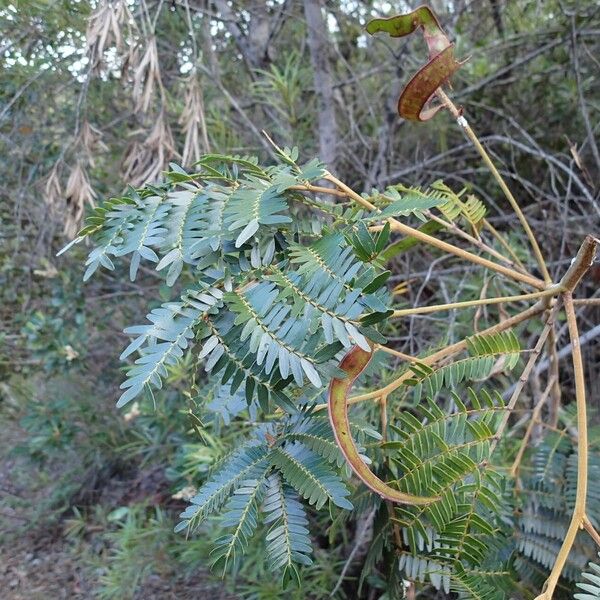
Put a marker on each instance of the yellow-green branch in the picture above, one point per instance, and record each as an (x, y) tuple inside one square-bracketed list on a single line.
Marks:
[(445, 100), (421, 310), (441, 245)]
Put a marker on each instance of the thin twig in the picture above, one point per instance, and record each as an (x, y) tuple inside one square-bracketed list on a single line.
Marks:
[(587, 302), (524, 378), (457, 114), (578, 518), (587, 525), (422, 310), (444, 246), (318, 190), (532, 422), (402, 355)]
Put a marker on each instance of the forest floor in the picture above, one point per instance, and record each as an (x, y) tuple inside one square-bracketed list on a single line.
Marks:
[(42, 554)]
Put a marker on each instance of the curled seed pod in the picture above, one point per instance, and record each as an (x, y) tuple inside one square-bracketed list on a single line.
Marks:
[(353, 364), (414, 102)]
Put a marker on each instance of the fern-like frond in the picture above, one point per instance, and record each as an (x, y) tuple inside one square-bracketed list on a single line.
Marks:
[(484, 350), (257, 202), (445, 453), (275, 335), (247, 462), (472, 210), (108, 222), (545, 500), (423, 569), (591, 583), (224, 350), (186, 226), (288, 539), (148, 231), (336, 313), (315, 433), (241, 513), (399, 200), (164, 341), (481, 584), (310, 475), (328, 267)]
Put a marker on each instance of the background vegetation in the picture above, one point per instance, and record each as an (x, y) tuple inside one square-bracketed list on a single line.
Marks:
[(87, 106)]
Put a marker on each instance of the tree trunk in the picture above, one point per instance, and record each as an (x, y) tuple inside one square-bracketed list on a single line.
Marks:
[(318, 43)]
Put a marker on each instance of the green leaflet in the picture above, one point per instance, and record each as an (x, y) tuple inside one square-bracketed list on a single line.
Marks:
[(288, 539), (185, 228), (241, 512), (259, 482), (257, 202), (504, 342), (590, 584), (224, 352), (310, 476), (164, 342), (246, 462), (445, 454)]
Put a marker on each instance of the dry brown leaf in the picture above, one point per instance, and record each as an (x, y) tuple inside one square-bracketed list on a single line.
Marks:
[(146, 77), (144, 161), (52, 188), (90, 140), (79, 192), (105, 30), (193, 123)]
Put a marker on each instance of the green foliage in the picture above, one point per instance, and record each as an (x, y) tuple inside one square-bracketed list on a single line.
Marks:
[(261, 481), (135, 547), (295, 304), (484, 350), (545, 502), (590, 585), (163, 343), (445, 454), (184, 232), (267, 308), (288, 540)]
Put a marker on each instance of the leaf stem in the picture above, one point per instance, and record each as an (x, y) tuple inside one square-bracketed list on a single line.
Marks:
[(318, 190), (420, 310), (579, 516), (503, 243), (444, 246), (473, 240), (402, 355), (457, 114), (532, 422)]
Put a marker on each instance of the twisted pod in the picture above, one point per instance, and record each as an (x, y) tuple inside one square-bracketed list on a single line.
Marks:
[(441, 66), (353, 364)]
